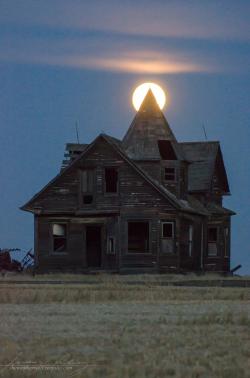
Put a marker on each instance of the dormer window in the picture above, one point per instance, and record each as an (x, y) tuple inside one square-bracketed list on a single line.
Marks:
[(111, 180), (166, 150), (169, 174)]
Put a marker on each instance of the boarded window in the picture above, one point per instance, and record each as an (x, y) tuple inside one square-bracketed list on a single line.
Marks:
[(138, 237), (167, 237), (212, 241), (169, 174), (59, 231), (166, 150), (111, 180)]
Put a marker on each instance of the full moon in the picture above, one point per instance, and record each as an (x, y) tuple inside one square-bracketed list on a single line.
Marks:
[(141, 91)]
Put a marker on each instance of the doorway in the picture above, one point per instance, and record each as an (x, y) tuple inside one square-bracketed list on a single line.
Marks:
[(93, 245)]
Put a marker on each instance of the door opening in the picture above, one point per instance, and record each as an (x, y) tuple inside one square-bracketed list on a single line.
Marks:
[(93, 246)]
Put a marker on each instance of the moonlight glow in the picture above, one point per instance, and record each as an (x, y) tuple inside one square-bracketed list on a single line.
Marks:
[(141, 91)]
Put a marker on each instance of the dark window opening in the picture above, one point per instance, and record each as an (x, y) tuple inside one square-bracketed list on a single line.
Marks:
[(59, 237), (212, 234), (111, 179), (168, 230), (169, 174), (138, 237), (166, 150), (87, 199)]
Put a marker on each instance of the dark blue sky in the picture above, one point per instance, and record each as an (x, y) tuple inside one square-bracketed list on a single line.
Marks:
[(62, 61)]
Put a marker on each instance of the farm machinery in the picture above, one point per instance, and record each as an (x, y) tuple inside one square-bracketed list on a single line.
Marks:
[(7, 263)]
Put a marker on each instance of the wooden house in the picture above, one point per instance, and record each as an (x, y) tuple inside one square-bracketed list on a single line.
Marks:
[(147, 203)]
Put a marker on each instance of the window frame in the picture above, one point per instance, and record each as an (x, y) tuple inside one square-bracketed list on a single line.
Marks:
[(82, 193), (173, 229), (165, 238), (174, 174), (52, 236), (214, 242)]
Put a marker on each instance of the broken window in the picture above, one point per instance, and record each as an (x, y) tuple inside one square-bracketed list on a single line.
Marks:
[(169, 174), (111, 180), (167, 237), (87, 185), (138, 237), (212, 241), (59, 231), (166, 150)]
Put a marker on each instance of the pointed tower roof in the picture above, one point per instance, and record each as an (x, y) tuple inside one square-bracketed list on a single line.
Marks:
[(147, 128)]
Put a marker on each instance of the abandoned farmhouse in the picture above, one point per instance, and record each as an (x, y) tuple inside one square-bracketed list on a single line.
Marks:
[(147, 203)]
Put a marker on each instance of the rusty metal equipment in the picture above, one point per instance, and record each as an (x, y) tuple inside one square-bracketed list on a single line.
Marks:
[(7, 263)]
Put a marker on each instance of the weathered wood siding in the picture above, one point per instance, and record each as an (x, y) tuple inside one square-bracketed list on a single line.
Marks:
[(133, 190)]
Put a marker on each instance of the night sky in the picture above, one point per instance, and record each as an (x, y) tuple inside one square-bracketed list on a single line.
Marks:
[(66, 61)]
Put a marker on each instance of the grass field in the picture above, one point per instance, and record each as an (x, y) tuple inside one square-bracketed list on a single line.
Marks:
[(114, 329)]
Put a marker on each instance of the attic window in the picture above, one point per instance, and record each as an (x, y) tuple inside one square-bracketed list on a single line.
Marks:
[(169, 174), (166, 150), (87, 181), (87, 186), (111, 180), (59, 232)]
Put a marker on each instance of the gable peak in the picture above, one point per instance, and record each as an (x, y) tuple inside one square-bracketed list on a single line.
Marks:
[(149, 102)]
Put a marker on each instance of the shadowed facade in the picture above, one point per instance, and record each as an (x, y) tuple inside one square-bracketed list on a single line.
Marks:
[(147, 203)]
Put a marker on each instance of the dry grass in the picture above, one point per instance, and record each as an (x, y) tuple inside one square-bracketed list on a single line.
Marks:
[(118, 330), (107, 277)]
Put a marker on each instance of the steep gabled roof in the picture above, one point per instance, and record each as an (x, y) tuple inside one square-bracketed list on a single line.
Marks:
[(147, 128), (203, 158), (178, 204)]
